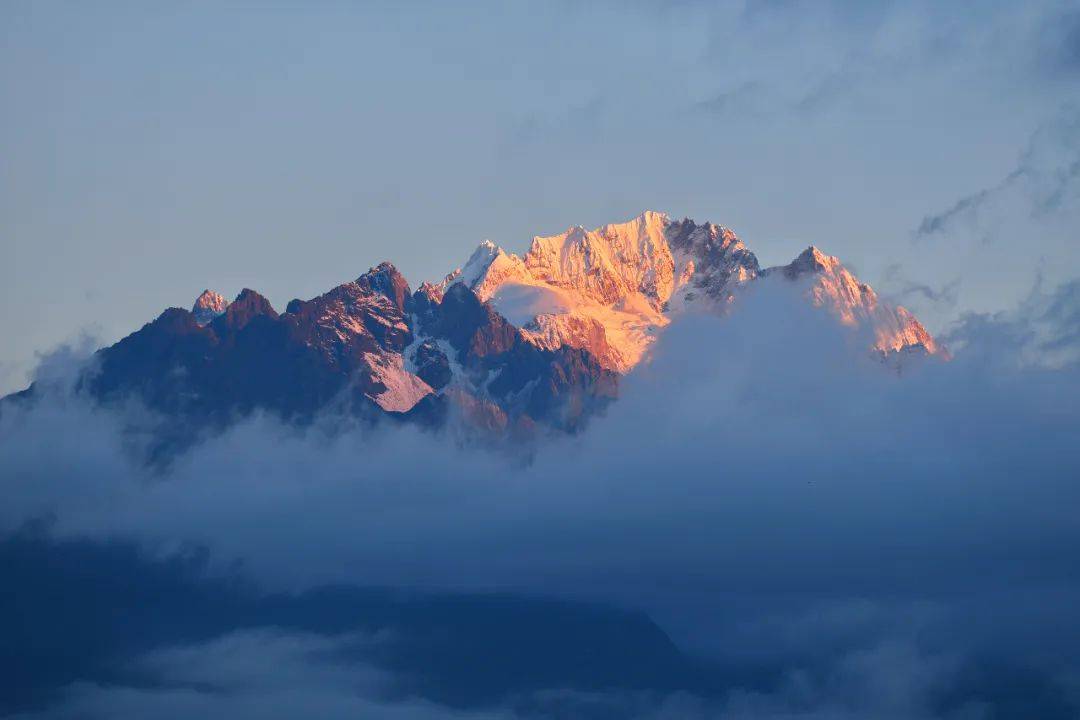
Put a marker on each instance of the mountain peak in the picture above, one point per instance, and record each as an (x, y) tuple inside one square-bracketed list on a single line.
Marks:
[(712, 261), (385, 279), (855, 303), (208, 306), (539, 336), (489, 267), (651, 217), (611, 288), (478, 263), (610, 263), (811, 260), (247, 305)]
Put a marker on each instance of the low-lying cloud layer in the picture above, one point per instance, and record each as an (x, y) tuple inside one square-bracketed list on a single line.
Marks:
[(884, 544), (269, 674)]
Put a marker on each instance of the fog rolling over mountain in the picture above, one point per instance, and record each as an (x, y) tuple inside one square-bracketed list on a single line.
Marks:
[(629, 473), (512, 346)]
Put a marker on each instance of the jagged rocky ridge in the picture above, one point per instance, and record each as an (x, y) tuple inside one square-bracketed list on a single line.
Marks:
[(367, 348), (510, 344), (610, 290)]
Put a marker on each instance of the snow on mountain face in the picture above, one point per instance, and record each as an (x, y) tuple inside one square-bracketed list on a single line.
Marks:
[(610, 263), (855, 303), (400, 389), (488, 370), (362, 326), (610, 290), (489, 268), (208, 306), (510, 343), (601, 290), (366, 349), (711, 262)]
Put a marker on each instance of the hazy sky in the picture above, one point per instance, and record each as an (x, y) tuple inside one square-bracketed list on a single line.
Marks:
[(149, 152)]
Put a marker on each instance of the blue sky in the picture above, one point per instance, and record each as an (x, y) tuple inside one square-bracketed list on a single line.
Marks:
[(151, 151)]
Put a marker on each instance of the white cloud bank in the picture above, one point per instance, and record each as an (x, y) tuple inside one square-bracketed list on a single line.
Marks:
[(765, 491)]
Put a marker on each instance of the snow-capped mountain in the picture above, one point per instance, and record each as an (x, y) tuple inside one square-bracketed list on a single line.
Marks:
[(602, 290), (208, 306), (855, 303), (367, 349), (509, 343), (610, 290)]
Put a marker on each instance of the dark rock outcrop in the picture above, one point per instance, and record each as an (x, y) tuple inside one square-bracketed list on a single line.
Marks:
[(367, 348)]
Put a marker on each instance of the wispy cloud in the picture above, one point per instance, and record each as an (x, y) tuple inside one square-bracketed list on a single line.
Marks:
[(1044, 181)]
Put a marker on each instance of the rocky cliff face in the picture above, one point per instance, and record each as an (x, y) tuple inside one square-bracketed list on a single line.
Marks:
[(208, 306), (611, 290), (511, 344), (712, 262), (368, 348)]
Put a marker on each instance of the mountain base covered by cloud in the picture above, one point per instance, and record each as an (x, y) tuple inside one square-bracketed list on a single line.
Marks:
[(816, 534)]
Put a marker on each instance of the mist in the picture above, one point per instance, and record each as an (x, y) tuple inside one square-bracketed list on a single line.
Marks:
[(766, 491)]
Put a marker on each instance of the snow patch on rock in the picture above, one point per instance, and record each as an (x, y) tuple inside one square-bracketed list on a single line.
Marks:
[(403, 389), (208, 306)]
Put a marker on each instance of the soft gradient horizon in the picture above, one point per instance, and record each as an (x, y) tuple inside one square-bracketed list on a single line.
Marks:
[(151, 151)]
